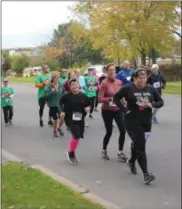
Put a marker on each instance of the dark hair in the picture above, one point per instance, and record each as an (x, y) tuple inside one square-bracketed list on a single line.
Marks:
[(90, 69), (139, 72), (133, 77), (72, 80), (109, 65)]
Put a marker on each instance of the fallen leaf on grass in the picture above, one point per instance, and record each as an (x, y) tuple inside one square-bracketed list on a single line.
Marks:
[(11, 207)]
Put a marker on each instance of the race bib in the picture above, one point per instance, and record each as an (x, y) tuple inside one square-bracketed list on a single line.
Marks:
[(156, 85), (77, 116), (92, 88), (8, 100), (128, 78), (111, 104)]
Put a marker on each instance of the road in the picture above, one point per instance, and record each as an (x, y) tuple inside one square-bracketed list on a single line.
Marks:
[(110, 180)]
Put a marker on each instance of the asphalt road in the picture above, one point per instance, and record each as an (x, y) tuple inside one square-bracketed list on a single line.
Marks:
[(110, 180)]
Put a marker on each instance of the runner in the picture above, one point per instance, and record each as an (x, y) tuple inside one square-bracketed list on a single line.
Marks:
[(40, 83), (91, 88), (81, 80), (111, 112), (7, 94), (156, 79), (74, 104), (125, 74), (140, 99), (97, 91), (54, 91), (63, 76)]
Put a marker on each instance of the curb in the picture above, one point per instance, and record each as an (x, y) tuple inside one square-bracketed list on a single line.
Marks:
[(85, 193)]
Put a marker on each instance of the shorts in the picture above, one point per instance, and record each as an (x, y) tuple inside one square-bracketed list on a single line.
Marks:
[(54, 113), (42, 101), (77, 129)]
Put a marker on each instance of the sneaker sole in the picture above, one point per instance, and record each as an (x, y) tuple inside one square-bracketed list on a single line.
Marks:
[(67, 154)]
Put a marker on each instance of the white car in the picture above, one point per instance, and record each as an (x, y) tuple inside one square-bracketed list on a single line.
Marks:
[(99, 70)]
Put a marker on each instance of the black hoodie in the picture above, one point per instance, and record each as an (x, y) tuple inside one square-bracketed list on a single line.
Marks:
[(157, 81)]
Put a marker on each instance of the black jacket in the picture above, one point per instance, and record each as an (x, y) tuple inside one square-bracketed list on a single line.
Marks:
[(157, 81)]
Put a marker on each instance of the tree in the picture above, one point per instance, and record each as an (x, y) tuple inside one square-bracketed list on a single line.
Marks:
[(122, 34), (19, 63)]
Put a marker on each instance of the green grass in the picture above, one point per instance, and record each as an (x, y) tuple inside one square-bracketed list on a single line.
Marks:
[(27, 188), (173, 88)]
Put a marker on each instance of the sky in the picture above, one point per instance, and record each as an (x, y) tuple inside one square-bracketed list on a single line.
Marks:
[(29, 24)]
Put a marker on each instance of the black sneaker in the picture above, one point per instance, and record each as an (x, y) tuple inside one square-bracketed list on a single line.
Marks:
[(41, 123), (104, 155), (132, 167), (148, 177), (90, 116), (50, 122), (71, 157), (60, 132), (122, 157)]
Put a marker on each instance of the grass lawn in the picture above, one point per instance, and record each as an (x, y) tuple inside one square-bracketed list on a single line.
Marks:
[(27, 188), (172, 88)]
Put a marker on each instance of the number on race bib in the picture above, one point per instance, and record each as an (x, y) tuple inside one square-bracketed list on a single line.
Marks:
[(91, 88), (157, 85), (128, 78), (77, 116)]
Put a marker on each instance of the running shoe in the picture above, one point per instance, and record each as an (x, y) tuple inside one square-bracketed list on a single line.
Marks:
[(96, 110), (154, 119), (104, 155), (10, 122), (50, 122), (86, 125), (122, 157), (132, 167), (71, 157), (148, 177), (90, 116), (55, 134), (41, 123), (60, 132)]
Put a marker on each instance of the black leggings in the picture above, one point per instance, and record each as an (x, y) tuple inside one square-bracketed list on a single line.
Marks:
[(138, 152), (108, 117), (8, 113), (42, 103), (92, 102), (97, 99)]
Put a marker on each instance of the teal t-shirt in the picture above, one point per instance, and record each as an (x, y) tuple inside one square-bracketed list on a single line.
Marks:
[(6, 100), (61, 80), (41, 79), (91, 88)]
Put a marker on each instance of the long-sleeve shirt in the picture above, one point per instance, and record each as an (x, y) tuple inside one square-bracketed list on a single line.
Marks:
[(125, 75), (107, 90), (157, 81), (134, 97)]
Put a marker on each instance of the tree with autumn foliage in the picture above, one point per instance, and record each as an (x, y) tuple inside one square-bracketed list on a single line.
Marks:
[(126, 30)]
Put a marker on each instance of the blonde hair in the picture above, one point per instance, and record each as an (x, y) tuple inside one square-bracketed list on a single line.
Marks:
[(155, 66)]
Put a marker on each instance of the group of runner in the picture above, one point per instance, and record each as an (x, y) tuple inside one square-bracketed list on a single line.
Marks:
[(126, 98)]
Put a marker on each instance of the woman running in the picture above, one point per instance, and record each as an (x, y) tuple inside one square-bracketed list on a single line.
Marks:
[(91, 89), (74, 105), (111, 112), (7, 94), (54, 92), (66, 87), (140, 99)]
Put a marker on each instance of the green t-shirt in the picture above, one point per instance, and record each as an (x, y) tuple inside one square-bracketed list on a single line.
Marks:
[(61, 80), (91, 88), (6, 100), (41, 79), (53, 97)]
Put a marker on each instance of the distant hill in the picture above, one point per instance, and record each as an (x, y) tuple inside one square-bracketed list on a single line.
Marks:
[(24, 40)]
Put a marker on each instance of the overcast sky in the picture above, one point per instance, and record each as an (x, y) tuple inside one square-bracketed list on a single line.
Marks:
[(31, 23)]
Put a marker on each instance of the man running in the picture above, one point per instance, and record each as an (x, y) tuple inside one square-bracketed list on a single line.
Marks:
[(156, 79), (7, 94), (63, 76), (91, 89), (125, 74), (40, 83), (74, 105)]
